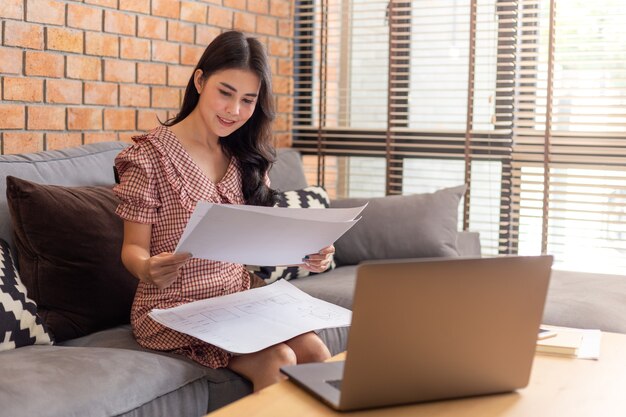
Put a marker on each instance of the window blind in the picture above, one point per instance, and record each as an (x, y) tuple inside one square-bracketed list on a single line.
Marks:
[(519, 100)]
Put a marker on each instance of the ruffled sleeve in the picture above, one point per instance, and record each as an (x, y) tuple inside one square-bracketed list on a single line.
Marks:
[(137, 190)]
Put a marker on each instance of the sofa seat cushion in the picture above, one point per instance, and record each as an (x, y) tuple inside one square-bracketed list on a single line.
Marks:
[(79, 381), (336, 286), (586, 300)]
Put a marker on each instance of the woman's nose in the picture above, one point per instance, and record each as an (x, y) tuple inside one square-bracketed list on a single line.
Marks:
[(232, 108)]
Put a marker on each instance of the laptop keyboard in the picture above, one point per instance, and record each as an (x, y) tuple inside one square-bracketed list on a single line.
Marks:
[(335, 383)]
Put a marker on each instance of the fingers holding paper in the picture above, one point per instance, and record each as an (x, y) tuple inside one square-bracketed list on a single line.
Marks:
[(162, 269), (320, 261)]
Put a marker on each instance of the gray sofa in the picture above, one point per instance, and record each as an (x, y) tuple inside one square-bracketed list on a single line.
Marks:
[(105, 373)]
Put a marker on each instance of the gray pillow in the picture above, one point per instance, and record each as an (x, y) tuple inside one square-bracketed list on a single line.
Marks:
[(401, 226)]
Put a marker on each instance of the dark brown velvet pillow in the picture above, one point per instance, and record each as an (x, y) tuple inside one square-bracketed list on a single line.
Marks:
[(68, 242)]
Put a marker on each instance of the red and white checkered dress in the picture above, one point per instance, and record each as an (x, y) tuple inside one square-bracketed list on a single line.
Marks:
[(161, 184)]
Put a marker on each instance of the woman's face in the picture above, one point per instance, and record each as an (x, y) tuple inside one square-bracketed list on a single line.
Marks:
[(227, 99)]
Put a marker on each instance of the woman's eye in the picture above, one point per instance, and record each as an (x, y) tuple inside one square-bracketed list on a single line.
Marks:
[(248, 101), (225, 93)]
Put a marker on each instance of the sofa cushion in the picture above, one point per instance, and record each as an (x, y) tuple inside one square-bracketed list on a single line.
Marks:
[(19, 323), (401, 226), (68, 245), (93, 382), (309, 197)]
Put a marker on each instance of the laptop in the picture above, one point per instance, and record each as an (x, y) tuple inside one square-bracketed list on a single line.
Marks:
[(434, 329)]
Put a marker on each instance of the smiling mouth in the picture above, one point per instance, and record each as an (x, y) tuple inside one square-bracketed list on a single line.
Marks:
[(225, 122)]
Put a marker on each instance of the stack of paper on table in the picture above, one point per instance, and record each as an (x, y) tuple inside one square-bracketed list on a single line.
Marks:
[(571, 342), (268, 236), (252, 320)]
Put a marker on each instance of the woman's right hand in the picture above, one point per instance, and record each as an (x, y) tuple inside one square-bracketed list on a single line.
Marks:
[(162, 269)]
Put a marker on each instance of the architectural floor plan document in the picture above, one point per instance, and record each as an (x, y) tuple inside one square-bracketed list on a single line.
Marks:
[(267, 236), (252, 320)]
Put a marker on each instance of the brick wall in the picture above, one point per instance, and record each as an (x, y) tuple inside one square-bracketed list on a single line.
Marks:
[(75, 72)]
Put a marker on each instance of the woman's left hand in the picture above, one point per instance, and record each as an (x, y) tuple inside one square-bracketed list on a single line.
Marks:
[(320, 261)]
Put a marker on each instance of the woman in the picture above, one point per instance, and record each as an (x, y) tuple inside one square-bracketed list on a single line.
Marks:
[(218, 148)]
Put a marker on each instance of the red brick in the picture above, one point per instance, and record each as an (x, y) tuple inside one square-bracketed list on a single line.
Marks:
[(101, 44), (25, 35), (165, 97), (22, 142), (101, 93), (83, 68), (12, 116), (84, 118), (244, 22), (285, 28), (180, 32), (235, 4), (163, 51), (151, 27), (134, 95), (119, 119), (285, 67), (63, 140), (61, 39), (149, 119), (46, 11), (273, 61), (127, 136), (193, 12), (93, 137), (259, 6), (279, 47), (149, 73), (221, 18), (266, 25), (281, 85), (282, 140), (134, 48), (11, 60), (119, 71), (166, 8), (139, 6), (281, 122), (23, 89), (104, 3), (178, 75), (205, 34), (84, 17), (119, 22), (12, 9), (64, 91), (284, 104), (44, 64), (45, 118), (280, 8), (190, 55)]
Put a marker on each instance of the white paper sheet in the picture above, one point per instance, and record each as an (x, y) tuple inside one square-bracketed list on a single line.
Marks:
[(262, 235), (252, 320)]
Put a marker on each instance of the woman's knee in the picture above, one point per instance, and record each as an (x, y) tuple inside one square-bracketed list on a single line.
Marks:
[(282, 355)]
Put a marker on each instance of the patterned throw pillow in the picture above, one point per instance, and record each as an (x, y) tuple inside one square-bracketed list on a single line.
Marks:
[(309, 197), (19, 323)]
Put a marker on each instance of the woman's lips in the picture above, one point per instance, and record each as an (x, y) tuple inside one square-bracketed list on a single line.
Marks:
[(225, 122)]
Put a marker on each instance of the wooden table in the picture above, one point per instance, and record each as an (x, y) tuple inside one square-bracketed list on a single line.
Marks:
[(558, 387)]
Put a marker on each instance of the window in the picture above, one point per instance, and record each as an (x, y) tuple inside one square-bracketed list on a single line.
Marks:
[(524, 100)]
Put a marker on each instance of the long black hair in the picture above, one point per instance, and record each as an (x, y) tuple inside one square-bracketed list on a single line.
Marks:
[(251, 144)]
